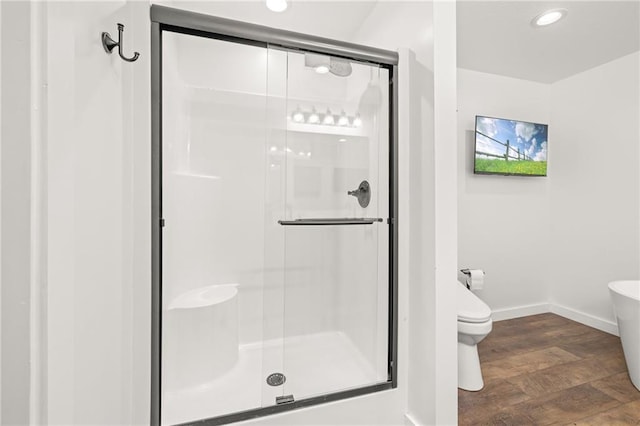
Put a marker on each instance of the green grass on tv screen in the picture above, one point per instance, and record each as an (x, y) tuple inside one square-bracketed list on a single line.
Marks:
[(485, 165)]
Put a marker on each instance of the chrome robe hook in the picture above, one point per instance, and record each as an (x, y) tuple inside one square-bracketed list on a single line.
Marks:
[(109, 44)]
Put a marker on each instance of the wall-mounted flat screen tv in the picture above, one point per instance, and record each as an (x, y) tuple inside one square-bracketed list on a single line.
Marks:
[(510, 147)]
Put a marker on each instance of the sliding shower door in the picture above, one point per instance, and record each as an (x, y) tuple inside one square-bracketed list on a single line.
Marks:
[(274, 269), (214, 126), (334, 227)]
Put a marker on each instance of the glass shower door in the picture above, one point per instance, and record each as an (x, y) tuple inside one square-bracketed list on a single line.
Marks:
[(214, 261), (334, 226), (274, 180)]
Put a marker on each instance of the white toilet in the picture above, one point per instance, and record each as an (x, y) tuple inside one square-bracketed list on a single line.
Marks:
[(474, 323)]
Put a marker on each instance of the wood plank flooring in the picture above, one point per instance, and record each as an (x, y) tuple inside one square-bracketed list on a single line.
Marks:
[(548, 370)]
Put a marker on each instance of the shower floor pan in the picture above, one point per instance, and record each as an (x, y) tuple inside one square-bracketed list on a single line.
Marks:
[(314, 365)]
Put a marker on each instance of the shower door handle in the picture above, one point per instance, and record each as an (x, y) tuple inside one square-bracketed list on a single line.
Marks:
[(331, 221)]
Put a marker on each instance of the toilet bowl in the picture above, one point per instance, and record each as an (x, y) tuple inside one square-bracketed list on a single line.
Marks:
[(474, 323)]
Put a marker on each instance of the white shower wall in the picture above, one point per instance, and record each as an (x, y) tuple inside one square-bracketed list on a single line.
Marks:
[(215, 136), (224, 162)]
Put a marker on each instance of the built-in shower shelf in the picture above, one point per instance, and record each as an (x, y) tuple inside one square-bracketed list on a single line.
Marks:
[(196, 175), (326, 129), (251, 101)]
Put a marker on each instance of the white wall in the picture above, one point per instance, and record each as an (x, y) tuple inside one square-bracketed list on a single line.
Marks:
[(503, 221), (580, 223), (16, 210), (445, 365), (427, 180), (427, 200), (1, 214), (137, 119), (594, 196), (97, 351)]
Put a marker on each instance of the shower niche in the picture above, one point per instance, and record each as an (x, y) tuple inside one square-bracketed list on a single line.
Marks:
[(274, 284)]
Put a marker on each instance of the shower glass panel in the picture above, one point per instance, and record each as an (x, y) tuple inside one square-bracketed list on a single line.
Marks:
[(214, 123), (275, 273), (335, 286)]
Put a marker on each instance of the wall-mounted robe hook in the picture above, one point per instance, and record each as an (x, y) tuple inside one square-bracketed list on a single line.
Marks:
[(109, 44)]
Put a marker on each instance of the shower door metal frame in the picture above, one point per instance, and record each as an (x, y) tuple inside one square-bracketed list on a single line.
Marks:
[(197, 24)]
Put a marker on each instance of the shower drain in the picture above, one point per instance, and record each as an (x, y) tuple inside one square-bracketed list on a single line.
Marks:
[(276, 379)]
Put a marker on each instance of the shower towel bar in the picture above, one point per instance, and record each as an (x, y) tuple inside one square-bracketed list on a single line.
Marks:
[(331, 221)]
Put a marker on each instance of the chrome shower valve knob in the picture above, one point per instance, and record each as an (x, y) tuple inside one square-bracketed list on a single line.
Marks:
[(363, 193)]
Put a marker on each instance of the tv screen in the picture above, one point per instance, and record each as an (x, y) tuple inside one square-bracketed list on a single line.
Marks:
[(510, 147)]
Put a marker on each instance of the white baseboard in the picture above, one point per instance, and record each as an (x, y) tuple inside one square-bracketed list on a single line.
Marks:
[(586, 319), (519, 311), (541, 308)]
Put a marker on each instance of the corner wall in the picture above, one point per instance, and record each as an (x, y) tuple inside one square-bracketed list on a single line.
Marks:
[(578, 228), (595, 192)]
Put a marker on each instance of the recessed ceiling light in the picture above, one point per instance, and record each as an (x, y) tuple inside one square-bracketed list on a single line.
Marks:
[(549, 17), (277, 5)]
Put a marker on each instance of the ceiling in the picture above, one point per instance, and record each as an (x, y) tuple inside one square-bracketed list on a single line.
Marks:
[(497, 37), (493, 36), (328, 18)]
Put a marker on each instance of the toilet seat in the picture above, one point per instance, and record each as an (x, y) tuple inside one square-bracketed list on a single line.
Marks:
[(474, 329), (470, 308)]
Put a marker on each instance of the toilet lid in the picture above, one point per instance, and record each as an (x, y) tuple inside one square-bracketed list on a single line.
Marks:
[(470, 307)]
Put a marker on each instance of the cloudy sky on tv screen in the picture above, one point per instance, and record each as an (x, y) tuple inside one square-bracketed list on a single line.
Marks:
[(529, 138)]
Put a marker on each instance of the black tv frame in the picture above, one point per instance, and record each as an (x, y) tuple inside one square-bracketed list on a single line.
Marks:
[(475, 136)]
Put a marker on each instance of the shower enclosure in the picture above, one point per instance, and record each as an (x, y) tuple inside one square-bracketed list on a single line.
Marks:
[(274, 242)]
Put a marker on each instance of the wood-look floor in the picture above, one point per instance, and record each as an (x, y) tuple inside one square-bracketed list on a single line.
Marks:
[(547, 370)]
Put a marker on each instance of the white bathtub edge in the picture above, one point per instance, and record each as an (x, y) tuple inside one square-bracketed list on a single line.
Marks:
[(586, 319)]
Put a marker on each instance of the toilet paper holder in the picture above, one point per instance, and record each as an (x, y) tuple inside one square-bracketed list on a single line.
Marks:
[(467, 272)]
